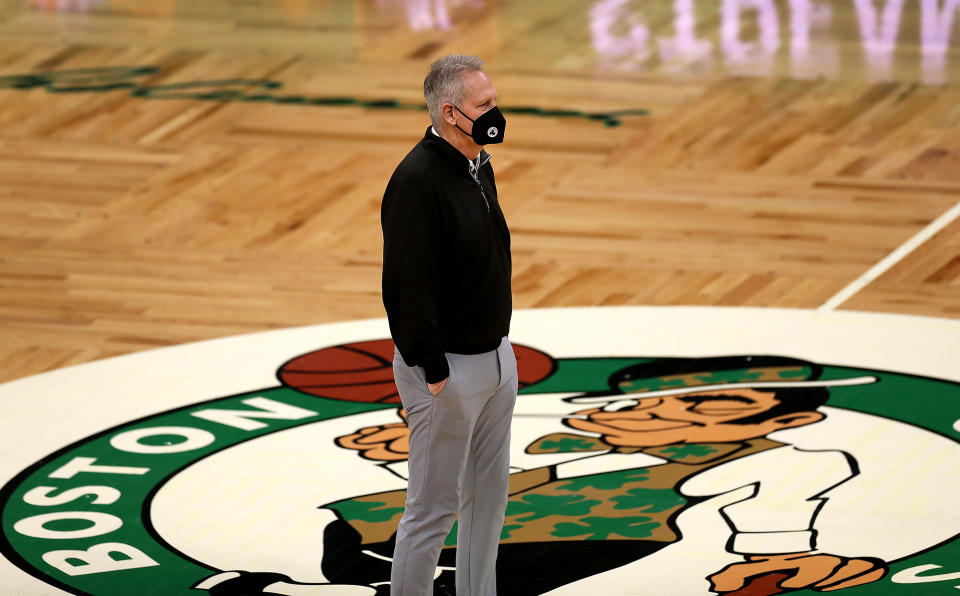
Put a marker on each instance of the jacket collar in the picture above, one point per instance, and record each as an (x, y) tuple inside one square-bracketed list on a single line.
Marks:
[(460, 162)]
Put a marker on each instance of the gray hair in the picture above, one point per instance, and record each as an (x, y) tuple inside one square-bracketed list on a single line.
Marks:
[(444, 83)]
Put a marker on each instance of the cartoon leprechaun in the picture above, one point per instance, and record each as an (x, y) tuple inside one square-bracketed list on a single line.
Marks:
[(607, 476)]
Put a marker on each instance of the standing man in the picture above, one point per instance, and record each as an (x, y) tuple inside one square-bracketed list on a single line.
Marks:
[(446, 290)]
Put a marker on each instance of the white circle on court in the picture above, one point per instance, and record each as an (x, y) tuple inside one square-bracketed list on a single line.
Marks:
[(268, 506)]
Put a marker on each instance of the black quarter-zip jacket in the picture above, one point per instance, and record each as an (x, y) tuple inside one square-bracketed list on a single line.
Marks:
[(446, 257)]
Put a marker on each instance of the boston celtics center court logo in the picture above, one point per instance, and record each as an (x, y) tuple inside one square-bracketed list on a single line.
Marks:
[(745, 473)]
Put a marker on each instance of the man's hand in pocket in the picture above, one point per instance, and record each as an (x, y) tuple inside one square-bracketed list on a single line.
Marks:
[(435, 388)]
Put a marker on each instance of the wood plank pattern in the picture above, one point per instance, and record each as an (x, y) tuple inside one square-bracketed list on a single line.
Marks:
[(128, 223), (928, 280)]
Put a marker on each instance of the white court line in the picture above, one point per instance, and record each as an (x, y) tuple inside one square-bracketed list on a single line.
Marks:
[(893, 258)]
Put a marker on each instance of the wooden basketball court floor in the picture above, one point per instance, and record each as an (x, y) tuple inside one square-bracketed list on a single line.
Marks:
[(788, 151), (174, 171)]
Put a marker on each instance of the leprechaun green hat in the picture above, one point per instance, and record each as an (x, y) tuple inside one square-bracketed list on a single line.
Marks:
[(677, 376)]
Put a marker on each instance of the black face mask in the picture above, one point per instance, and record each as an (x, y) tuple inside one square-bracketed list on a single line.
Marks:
[(487, 128)]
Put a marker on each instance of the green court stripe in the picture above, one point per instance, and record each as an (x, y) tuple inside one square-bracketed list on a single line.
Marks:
[(94, 80)]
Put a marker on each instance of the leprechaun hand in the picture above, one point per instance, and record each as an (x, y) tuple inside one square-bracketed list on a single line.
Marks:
[(387, 442), (821, 572)]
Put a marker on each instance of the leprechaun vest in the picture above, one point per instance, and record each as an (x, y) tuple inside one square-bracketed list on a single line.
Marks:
[(632, 504)]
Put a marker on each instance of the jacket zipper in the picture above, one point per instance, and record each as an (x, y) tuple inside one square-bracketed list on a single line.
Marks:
[(475, 174), (483, 193)]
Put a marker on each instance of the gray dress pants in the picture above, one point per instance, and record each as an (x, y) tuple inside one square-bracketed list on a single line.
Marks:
[(459, 464)]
